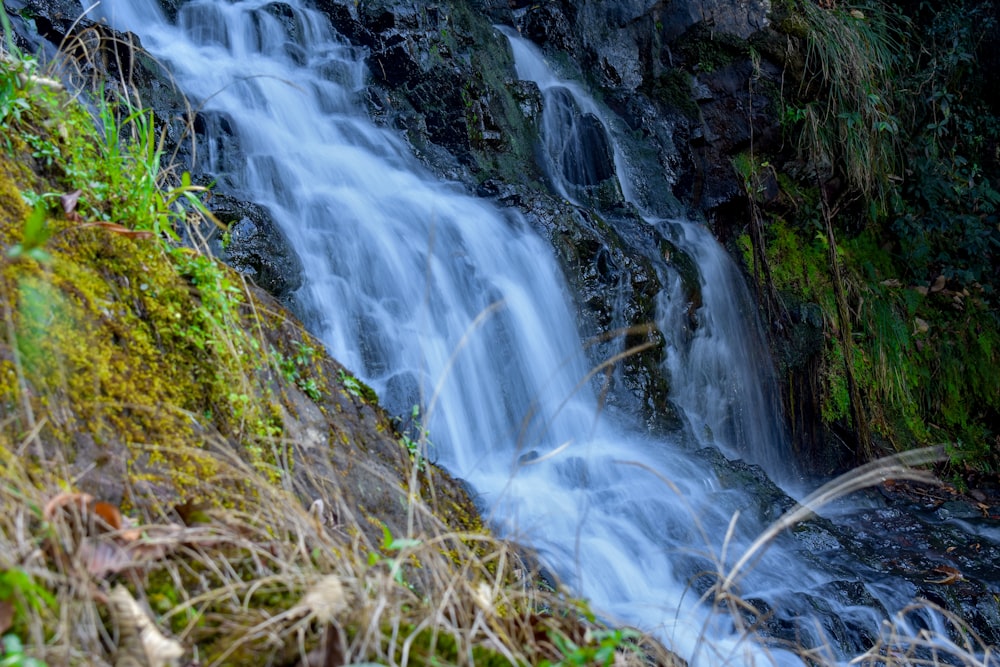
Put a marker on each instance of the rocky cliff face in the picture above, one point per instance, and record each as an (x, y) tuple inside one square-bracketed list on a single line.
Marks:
[(444, 76)]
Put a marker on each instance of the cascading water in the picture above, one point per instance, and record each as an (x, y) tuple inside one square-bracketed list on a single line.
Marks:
[(720, 372), (436, 298)]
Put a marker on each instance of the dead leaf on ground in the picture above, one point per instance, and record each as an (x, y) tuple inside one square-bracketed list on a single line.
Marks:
[(107, 542), (110, 514), (69, 201), (103, 558), (141, 642), (111, 553), (97, 514), (65, 499)]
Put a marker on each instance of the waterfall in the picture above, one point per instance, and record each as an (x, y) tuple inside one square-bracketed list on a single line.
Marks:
[(441, 300)]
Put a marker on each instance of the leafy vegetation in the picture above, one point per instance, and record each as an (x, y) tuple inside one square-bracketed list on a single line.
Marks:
[(415, 439), (887, 220), (296, 367)]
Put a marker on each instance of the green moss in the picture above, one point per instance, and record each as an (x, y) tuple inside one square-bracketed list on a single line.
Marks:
[(116, 335), (918, 357), (704, 49)]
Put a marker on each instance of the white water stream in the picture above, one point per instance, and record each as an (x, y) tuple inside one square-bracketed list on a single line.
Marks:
[(437, 298)]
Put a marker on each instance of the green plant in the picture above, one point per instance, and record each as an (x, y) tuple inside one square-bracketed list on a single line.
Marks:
[(19, 588), (947, 210), (293, 368), (43, 150), (600, 647), (36, 233), (137, 186), (350, 383), (13, 104), (24, 599), (13, 654), (847, 113), (415, 439), (392, 544)]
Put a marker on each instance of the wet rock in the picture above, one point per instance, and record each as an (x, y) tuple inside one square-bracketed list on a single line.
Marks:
[(886, 548), (215, 147), (443, 75), (344, 19), (394, 63), (610, 265), (739, 474), (663, 70), (257, 247), (170, 8), (547, 25), (445, 78), (85, 50)]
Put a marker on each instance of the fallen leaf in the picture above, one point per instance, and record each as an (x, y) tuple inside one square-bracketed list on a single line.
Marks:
[(89, 509), (939, 284), (110, 514), (103, 558), (69, 202), (141, 642), (112, 553)]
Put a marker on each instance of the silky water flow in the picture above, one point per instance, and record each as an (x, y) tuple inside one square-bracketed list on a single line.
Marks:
[(441, 300)]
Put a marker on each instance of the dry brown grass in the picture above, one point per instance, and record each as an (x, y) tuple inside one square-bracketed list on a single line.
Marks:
[(276, 582)]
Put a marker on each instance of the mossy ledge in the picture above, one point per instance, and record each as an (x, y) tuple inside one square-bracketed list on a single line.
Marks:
[(169, 430)]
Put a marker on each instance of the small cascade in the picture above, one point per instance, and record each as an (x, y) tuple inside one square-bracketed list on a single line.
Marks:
[(720, 368), (718, 360)]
